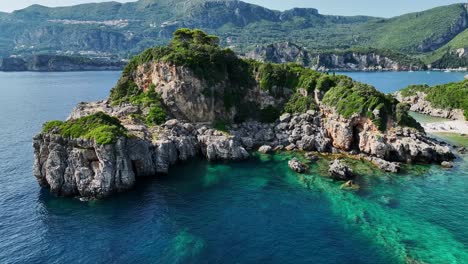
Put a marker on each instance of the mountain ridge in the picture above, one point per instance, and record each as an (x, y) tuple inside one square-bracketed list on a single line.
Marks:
[(125, 29)]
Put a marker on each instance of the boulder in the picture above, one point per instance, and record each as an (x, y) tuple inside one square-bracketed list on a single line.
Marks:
[(340, 171), (385, 165), (447, 164), (284, 118), (290, 147), (265, 149), (297, 166)]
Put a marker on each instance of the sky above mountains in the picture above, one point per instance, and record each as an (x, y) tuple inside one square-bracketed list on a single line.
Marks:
[(383, 8)]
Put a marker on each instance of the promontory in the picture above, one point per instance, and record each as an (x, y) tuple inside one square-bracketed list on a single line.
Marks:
[(195, 98)]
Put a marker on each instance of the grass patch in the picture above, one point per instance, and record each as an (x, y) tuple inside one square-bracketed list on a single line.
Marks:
[(101, 127)]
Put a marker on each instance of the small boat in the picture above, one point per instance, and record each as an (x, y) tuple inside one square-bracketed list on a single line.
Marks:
[(447, 71)]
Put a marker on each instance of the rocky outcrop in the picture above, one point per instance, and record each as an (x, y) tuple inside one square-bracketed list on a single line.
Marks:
[(280, 53), (79, 167), (340, 171), (265, 149), (49, 63), (418, 103), (297, 166)]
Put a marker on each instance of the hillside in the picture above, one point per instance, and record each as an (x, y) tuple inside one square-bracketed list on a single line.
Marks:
[(452, 55), (447, 100), (129, 28)]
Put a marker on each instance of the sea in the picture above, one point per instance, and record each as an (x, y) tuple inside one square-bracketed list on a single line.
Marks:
[(256, 211)]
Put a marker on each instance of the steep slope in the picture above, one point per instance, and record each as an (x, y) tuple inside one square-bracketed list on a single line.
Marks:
[(452, 55), (132, 27), (195, 98), (422, 31)]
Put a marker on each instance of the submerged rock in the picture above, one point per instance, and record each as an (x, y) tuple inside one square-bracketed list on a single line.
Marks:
[(297, 166), (350, 185), (340, 171), (311, 156)]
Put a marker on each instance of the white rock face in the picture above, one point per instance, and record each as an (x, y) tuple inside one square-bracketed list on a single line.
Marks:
[(419, 104)]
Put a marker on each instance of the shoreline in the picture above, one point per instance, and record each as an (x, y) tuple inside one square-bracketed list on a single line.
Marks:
[(452, 126)]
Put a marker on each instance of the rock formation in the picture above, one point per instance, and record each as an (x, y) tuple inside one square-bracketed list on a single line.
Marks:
[(419, 103), (297, 166), (339, 171), (71, 161), (365, 60)]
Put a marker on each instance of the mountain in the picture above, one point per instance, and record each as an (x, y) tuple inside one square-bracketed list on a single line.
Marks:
[(129, 28)]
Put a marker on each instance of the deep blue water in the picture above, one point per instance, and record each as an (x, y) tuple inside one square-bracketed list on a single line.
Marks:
[(249, 212), (389, 82)]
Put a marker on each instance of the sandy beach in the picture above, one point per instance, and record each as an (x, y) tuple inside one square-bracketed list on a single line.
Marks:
[(457, 126)]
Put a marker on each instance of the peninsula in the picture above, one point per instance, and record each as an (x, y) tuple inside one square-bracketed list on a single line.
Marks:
[(195, 98)]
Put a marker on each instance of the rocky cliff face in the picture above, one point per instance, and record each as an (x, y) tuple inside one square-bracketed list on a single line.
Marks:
[(419, 104), (191, 98), (356, 61), (77, 167), (58, 63), (339, 61)]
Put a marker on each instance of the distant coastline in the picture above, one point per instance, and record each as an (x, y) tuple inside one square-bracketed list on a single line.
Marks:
[(59, 63)]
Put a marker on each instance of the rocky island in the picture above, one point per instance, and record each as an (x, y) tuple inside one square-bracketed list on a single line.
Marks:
[(195, 98)]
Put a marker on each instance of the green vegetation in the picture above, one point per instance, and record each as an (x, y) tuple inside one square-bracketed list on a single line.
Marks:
[(446, 56), (412, 90), (446, 96), (220, 125), (101, 127), (404, 119), (229, 78), (299, 104), (411, 33), (365, 100)]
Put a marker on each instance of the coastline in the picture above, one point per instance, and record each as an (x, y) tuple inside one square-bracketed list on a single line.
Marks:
[(453, 126)]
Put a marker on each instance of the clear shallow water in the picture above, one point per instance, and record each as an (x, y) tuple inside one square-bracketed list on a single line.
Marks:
[(389, 82), (251, 212)]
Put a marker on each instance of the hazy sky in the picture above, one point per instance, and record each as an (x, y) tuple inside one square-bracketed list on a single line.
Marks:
[(384, 8)]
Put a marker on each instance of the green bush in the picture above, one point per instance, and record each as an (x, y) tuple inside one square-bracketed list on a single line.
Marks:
[(404, 119), (446, 96), (269, 114), (361, 99), (220, 125), (299, 104), (156, 115), (101, 127)]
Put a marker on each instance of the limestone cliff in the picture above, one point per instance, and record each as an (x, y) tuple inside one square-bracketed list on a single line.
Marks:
[(343, 60)]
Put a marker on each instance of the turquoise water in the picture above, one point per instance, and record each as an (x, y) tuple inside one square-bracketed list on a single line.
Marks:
[(256, 211), (389, 82)]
